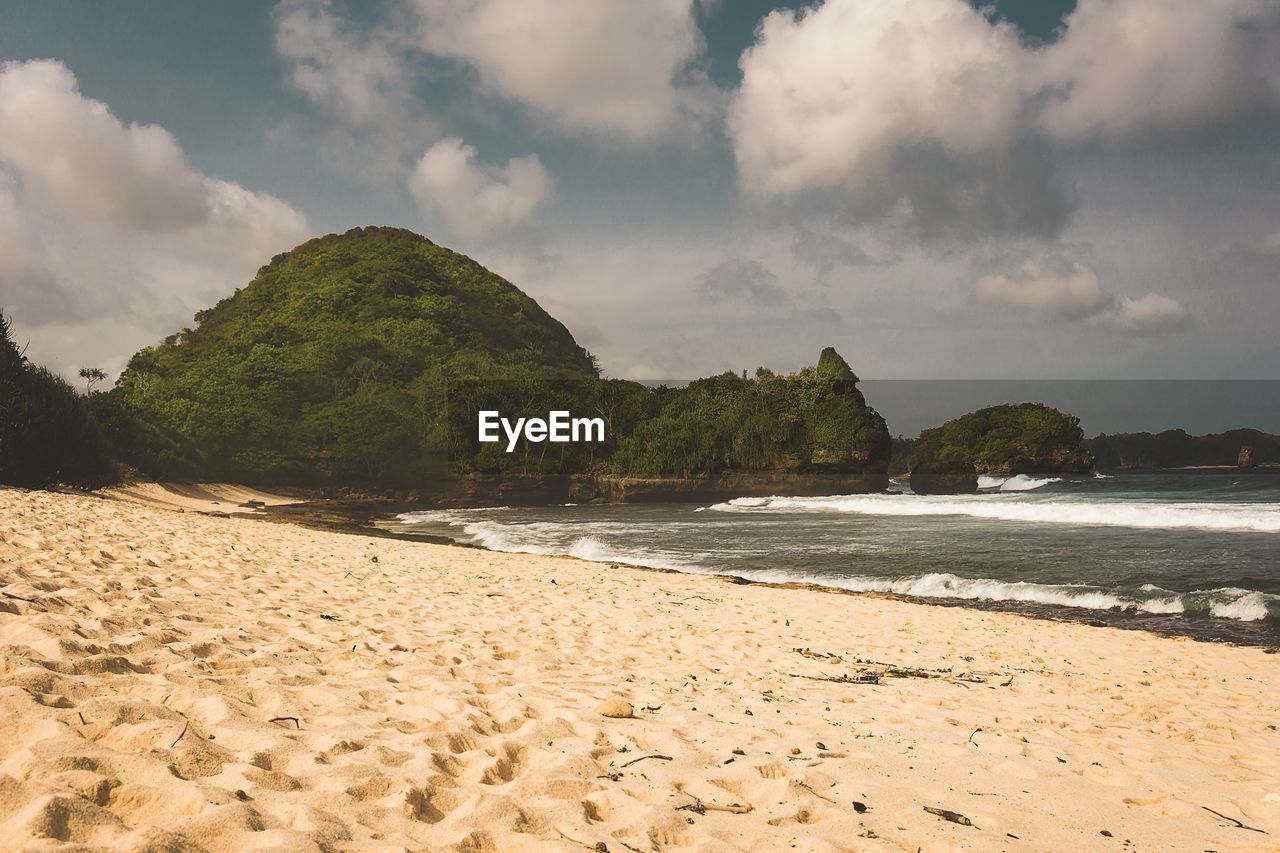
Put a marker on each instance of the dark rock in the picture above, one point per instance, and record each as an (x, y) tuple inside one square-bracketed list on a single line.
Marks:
[(935, 477)]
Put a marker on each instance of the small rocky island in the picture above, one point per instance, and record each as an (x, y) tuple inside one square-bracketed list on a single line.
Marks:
[(1007, 440)]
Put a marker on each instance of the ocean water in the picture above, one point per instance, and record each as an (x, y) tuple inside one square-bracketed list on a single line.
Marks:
[(1192, 552)]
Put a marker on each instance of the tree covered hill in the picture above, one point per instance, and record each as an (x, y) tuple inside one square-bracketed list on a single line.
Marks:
[(1020, 438), (362, 359), (332, 362), (1175, 449), (815, 420)]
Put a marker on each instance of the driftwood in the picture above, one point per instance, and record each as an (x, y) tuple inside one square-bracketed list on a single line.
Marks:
[(1234, 822), (820, 796), (863, 678), (186, 725), (296, 722), (946, 814), (643, 757), (699, 807), (883, 670), (601, 847)]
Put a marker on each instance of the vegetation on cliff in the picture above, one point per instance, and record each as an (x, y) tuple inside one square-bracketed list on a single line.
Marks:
[(48, 433), (814, 420), (1176, 449), (1022, 438)]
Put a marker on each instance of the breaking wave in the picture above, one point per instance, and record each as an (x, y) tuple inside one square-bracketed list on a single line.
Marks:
[(1019, 483), (548, 538), (1259, 517), (560, 539), (1227, 603)]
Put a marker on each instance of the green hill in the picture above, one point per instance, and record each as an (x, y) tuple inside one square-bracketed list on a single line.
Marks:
[(362, 359), (331, 363), (814, 421)]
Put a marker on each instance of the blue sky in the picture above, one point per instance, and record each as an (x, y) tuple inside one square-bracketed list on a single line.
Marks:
[(1033, 190)]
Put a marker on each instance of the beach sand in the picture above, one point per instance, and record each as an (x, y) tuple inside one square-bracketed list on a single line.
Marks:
[(171, 681)]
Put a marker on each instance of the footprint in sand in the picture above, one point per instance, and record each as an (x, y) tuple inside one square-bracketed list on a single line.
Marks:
[(429, 804), (506, 768), (773, 771), (373, 788)]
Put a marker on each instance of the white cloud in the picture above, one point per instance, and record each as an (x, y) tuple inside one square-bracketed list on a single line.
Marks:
[(1126, 68), (362, 78), (476, 198), (73, 154), (613, 67), (108, 225), (1055, 286), (1147, 314), (836, 90), (1052, 286), (930, 114), (907, 110)]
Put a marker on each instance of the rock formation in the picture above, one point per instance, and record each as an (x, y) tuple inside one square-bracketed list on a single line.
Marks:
[(1024, 438)]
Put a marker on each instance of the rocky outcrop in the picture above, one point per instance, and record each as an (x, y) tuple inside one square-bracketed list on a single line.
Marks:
[(956, 477), (1023, 438), (725, 486), (1245, 459), (478, 490), (1066, 461)]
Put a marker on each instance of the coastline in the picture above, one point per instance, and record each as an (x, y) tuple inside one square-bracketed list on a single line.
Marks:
[(369, 516), (1203, 628), (228, 683)]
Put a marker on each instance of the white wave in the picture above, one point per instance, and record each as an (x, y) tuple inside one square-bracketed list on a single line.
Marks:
[(560, 539), (553, 539), (1245, 605), (1017, 483), (947, 585), (1143, 514)]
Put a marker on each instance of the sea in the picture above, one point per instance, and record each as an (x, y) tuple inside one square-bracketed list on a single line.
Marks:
[(1191, 552)]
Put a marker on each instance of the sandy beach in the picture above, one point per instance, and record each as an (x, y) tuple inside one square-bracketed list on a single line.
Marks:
[(174, 681)]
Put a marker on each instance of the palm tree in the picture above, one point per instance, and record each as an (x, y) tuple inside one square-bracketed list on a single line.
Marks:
[(91, 376)]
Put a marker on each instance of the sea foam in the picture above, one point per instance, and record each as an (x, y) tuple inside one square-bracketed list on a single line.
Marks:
[(1259, 517), (1018, 483)]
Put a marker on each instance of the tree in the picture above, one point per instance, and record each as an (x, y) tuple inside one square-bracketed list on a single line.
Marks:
[(48, 434), (91, 376)]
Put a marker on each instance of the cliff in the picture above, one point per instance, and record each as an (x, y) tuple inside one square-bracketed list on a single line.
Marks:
[(810, 422)]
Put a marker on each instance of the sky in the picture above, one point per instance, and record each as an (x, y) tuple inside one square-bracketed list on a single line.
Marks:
[(1031, 189)]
